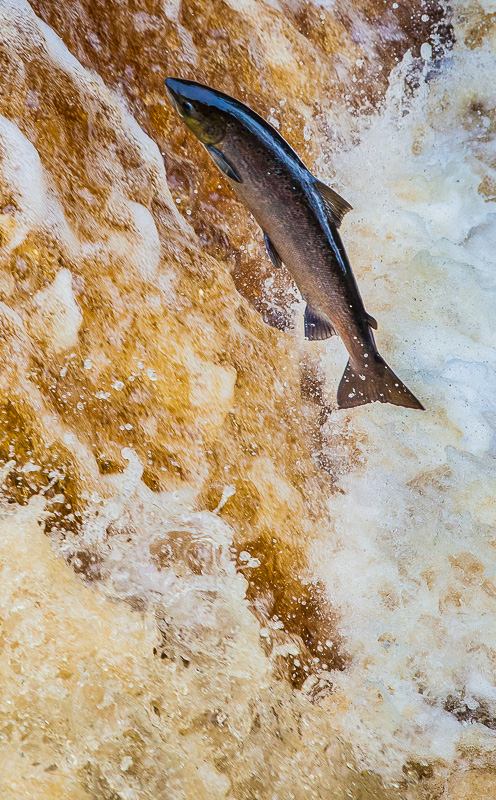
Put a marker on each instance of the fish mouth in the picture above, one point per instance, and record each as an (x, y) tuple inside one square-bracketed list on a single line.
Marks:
[(173, 87)]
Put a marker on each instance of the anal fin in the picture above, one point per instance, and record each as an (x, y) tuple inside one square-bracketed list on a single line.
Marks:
[(316, 326), (372, 321), (271, 250)]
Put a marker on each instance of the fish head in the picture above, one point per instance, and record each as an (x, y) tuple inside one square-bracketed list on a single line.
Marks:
[(200, 108)]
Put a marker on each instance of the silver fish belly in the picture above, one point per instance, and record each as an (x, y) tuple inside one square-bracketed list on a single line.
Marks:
[(300, 217)]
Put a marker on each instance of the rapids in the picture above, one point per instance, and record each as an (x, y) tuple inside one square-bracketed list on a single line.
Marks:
[(212, 582)]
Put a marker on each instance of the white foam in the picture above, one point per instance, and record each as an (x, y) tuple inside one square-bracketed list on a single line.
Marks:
[(409, 556), (58, 316), (22, 193)]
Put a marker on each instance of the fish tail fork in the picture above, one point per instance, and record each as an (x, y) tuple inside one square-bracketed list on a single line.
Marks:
[(375, 382)]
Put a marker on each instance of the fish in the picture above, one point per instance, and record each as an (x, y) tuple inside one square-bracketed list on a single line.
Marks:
[(300, 218)]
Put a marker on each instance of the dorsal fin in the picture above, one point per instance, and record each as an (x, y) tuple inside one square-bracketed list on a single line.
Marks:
[(336, 206)]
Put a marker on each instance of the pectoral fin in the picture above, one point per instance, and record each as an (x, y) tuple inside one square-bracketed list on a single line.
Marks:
[(223, 163), (273, 254), (317, 327), (336, 206)]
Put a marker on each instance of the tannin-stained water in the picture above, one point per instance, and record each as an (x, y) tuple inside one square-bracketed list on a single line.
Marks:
[(213, 582)]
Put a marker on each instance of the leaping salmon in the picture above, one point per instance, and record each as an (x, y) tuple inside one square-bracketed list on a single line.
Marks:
[(299, 216)]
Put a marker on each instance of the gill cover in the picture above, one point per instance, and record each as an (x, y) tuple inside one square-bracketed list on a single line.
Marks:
[(196, 107)]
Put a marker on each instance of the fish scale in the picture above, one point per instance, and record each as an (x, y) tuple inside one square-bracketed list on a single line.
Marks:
[(300, 217)]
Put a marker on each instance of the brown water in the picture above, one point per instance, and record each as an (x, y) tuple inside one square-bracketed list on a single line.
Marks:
[(214, 583)]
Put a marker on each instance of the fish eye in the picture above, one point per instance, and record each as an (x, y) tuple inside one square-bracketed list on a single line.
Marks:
[(187, 106)]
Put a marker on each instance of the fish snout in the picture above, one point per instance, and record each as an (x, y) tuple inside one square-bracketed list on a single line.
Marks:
[(173, 86), (174, 91)]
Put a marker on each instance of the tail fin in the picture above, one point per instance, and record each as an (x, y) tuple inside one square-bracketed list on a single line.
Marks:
[(377, 382)]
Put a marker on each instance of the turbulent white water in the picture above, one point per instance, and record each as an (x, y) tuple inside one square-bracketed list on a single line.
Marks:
[(408, 558), (409, 555), (181, 686)]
